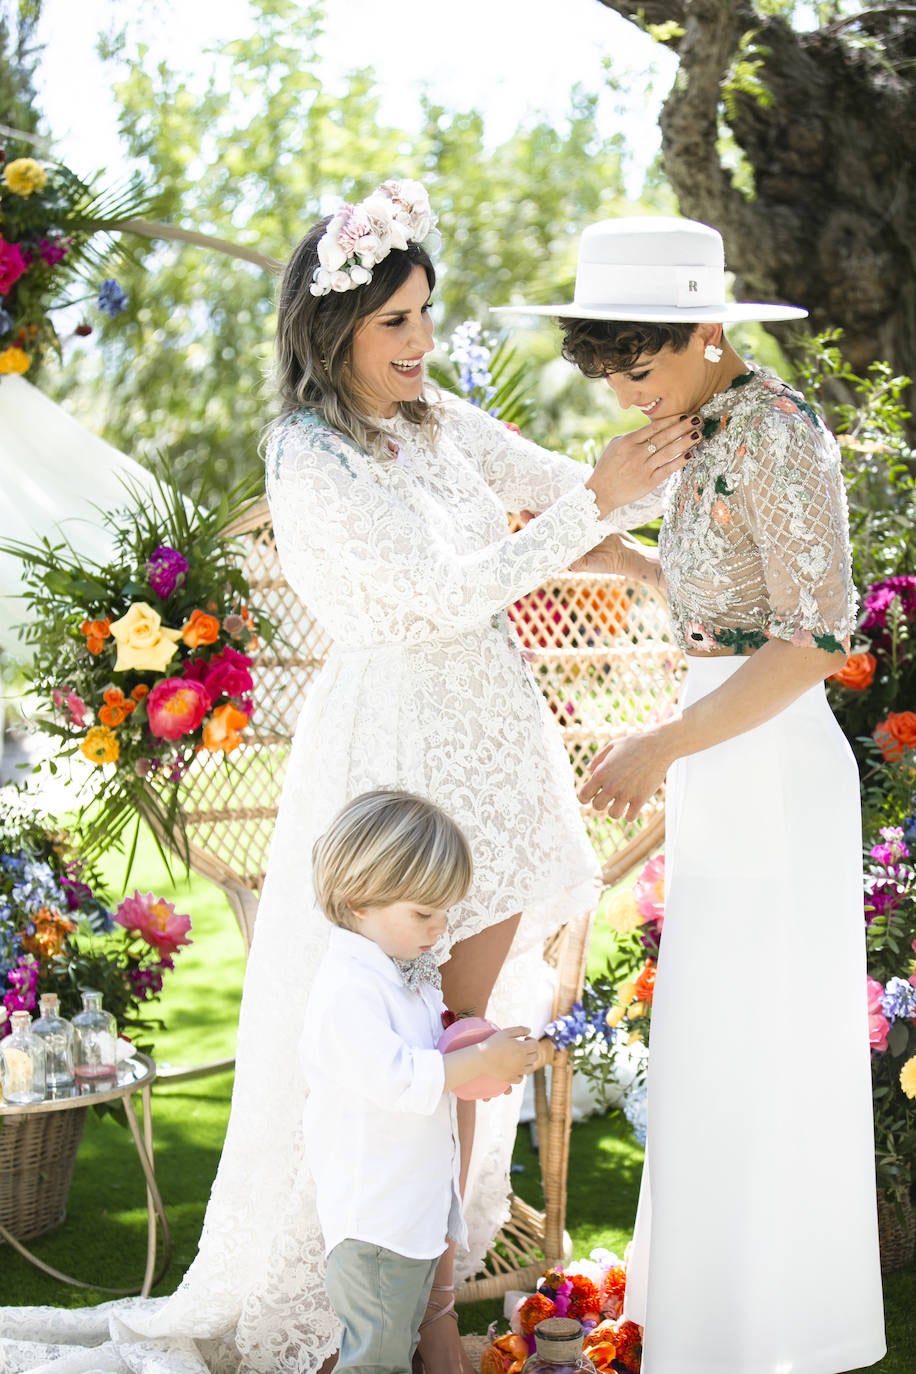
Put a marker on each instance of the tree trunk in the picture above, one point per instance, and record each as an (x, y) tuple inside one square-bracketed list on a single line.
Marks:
[(826, 125)]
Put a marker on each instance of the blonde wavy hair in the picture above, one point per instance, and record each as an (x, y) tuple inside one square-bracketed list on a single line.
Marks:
[(389, 846)]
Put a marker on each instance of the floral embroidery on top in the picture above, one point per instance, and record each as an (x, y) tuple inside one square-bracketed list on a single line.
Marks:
[(755, 540)]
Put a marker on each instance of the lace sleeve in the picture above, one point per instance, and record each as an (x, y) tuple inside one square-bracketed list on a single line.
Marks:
[(362, 550), (797, 510), (527, 477)]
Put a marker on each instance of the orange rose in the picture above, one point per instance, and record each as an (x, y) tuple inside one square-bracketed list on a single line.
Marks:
[(506, 1355), (600, 1345), (140, 691), (200, 629), (645, 983), (896, 734), (223, 729), (96, 632), (857, 672)]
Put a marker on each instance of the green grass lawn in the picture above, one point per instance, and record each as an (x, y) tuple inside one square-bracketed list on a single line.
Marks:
[(103, 1238)]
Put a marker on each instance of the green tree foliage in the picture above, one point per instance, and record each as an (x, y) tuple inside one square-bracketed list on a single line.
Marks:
[(254, 155), (18, 57)]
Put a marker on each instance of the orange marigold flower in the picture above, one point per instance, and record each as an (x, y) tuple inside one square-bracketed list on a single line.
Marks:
[(613, 1288), (101, 745), (200, 629), (223, 730), (506, 1355), (535, 1309), (50, 934), (585, 1299), (96, 632), (140, 691), (645, 983), (600, 1345), (629, 1346)]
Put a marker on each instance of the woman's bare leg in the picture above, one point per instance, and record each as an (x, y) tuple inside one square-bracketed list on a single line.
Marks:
[(467, 981)]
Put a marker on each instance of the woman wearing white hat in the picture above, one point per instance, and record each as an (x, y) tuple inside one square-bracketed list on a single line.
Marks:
[(756, 1246)]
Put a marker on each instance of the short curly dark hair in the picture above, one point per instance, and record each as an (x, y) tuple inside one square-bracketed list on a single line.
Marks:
[(599, 347)]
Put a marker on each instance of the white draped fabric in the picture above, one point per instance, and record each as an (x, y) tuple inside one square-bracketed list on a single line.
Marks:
[(57, 478)]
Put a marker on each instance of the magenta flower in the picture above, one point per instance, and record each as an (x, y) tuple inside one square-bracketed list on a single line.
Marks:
[(23, 982), (176, 707), (155, 921), (13, 265), (894, 847), (225, 674), (878, 601), (53, 251), (166, 570)]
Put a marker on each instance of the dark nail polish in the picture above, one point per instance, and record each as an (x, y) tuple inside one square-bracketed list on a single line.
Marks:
[(695, 433), (695, 420)]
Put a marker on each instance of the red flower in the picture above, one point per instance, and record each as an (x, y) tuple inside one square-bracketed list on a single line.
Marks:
[(896, 734), (176, 707), (612, 1291), (629, 1346)]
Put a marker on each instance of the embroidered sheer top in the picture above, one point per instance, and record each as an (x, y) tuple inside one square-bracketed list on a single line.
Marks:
[(755, 538)]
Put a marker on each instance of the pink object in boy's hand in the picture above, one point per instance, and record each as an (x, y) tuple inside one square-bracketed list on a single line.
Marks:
[(470, 1030)]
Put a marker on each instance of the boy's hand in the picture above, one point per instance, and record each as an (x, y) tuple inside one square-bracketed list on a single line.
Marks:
[(509, 1054)]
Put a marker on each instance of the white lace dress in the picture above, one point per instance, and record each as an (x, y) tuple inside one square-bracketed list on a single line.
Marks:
[(408, 563)]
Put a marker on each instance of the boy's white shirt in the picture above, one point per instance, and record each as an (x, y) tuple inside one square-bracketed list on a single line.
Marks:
[(381, 1132)]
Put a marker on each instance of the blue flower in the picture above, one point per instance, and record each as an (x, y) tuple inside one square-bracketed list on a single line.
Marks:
[(112, 300), (899, 1000)]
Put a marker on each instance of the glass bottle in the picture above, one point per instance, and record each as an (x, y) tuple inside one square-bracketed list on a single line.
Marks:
[(22, 1063), (94, 1037), (558, 1342), (57, 1035)]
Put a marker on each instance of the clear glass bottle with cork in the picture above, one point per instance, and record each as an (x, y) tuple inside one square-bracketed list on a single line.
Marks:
[(22, 1063), (57, 1035), (558, 1342)]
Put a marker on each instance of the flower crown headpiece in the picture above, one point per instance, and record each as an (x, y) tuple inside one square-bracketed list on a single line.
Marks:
[(360, 236)]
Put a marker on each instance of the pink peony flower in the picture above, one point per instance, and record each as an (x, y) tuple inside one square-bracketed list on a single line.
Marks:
[(176, 707), (878, 1026), (155, 921), (649, 890), (13, 265)]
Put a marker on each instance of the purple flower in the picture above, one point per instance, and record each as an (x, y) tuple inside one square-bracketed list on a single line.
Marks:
[(23, 981), (899, 1000), (166, 570), (112, 300), (894, 848), (53, 250)]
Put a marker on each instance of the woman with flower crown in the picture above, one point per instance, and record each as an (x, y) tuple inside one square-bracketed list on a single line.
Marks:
[(389, 505), (756, 1242)]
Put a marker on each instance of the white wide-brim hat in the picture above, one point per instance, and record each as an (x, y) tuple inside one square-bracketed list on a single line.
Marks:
[(657, 269)]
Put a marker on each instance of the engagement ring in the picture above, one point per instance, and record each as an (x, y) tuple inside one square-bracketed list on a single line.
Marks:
[(653, 448)]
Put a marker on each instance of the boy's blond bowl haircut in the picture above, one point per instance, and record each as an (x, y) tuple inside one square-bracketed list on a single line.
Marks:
[(389, 846)]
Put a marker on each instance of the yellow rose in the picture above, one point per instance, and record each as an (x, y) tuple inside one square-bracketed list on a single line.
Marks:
[(143, 641), (908, 1077), (14, 360), (24, 175), (623, 915), (615, 1016)]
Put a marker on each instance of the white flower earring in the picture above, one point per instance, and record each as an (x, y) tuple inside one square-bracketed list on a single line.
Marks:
[(712, 354)]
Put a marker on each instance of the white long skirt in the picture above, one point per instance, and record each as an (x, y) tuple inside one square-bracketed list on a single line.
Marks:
[(756, 1245)]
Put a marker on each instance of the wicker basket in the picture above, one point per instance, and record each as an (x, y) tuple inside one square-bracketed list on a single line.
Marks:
[(896, 1231), (37, 1154)]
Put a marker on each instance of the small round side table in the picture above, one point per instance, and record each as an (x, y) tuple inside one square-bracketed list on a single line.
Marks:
[(134, 1075)]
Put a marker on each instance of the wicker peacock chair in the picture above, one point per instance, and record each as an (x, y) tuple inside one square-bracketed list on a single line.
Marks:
[(605, 662)]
